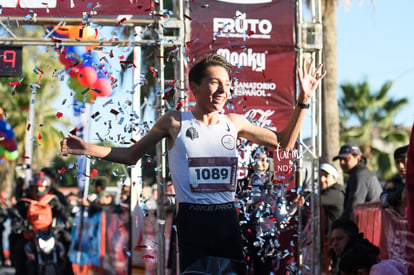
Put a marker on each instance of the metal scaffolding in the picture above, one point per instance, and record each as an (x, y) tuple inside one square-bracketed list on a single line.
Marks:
[(169, 33), (309, 45)]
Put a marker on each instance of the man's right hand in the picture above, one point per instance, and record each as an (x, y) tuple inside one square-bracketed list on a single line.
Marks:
[(73, 145)]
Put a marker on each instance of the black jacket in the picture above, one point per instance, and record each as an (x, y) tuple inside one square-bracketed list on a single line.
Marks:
[(332, 202), (362, 186)]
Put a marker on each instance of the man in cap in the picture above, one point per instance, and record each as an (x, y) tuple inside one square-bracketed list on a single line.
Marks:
[(332, 195), (395, 189), (362, 184), (332, 205)]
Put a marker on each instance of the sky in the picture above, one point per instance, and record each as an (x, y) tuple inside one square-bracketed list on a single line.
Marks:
[(375, 43)]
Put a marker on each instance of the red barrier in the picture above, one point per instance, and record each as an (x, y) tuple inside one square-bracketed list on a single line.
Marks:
[(368, 218), (388, 230)]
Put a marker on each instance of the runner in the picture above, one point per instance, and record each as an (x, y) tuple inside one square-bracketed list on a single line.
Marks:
[(203, 157)]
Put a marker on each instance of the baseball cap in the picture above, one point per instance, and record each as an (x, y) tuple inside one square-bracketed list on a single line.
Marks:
[(348, 149), (329, 169)]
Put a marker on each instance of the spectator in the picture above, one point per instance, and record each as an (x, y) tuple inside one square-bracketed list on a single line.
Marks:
[(343, 233), (99, 199), (51, 173), (4, 228), (409, 177), (362, 184), (28, 221), (395, 189), (332, 205), (362, 259), (332, 195)]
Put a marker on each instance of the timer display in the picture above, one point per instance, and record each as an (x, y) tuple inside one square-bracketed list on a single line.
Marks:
[(10, 61)]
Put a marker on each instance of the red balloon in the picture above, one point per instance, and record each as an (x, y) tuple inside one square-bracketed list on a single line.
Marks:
[(10, 144), (102, 87), (72, 69), (87, 76), (62, 57)]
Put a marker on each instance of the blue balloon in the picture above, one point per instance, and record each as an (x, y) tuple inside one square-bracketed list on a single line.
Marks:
[(101, 74), (75, 52), (6, 129), (91, 59), (9, 133), (3, 124)]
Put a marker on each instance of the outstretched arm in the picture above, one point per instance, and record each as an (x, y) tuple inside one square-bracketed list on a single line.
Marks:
[(286, 138), (164, 127), (308, 82)]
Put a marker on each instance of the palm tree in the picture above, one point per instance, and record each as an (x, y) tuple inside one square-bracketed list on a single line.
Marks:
[(329, 108), (330, 116), (375, 131), (15, 103)]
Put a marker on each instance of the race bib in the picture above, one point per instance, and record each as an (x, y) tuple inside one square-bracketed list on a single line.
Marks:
[(215, 174)]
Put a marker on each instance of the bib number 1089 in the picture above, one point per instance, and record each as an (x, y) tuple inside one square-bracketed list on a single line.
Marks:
[(211, 173)]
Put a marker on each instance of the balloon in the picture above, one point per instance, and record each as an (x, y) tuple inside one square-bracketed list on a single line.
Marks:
[(87, 97), (72, 69), (1, 151), (6, 129), (9, 133), (89, 33), (75, 85), (102, 87), (63, 59), (11, 155), (3, 125), (10, 144), (87, 76), (75, 52), (91, 59), (101, 74)]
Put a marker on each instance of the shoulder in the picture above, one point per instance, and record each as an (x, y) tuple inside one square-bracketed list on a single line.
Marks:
[(238, 120), (167, 122), (171, 117), (337, 188)]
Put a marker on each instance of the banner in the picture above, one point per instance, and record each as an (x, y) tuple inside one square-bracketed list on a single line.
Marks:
[(257, 37), (104, 247), (28, 9)]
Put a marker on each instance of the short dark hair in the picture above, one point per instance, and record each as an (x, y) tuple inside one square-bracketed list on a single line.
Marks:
[(101, 182), (198, 71), (401, 152), (349, 227), (50, 172)]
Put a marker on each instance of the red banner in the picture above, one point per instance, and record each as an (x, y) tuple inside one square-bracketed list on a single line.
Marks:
[(257, 37), (75, 8)]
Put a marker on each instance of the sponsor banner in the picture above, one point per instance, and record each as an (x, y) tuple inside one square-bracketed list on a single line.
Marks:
[(257, 38), (75, 8)]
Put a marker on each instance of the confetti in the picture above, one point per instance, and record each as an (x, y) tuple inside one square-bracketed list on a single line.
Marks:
[(94, 173)]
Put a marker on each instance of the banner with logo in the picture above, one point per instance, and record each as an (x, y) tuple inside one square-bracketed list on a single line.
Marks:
[(257, 37)]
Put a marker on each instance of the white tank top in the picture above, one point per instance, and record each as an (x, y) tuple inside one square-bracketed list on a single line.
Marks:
[(203, 161)]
